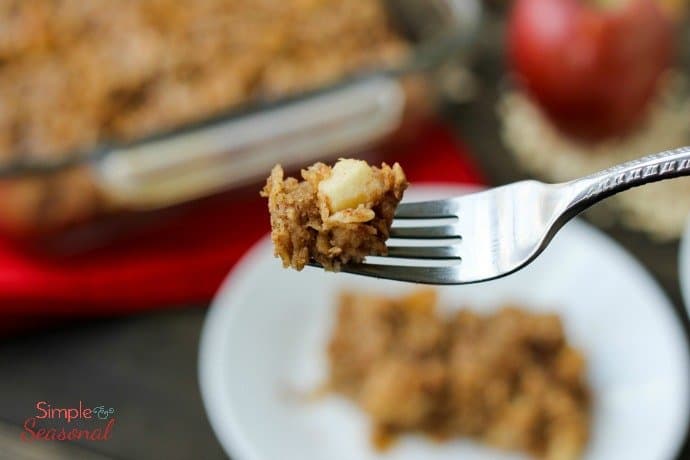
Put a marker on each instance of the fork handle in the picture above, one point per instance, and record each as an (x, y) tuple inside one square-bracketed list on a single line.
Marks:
[(653, 168)]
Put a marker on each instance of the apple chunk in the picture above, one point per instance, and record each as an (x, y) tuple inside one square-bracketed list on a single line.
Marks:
[(352, 182)]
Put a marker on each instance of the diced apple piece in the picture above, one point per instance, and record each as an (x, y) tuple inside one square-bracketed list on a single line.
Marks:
[(351, 183)]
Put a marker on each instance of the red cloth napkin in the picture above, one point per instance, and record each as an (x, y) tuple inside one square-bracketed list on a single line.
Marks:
[(182, 261)]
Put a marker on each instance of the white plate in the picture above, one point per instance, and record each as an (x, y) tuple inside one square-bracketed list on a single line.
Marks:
[(265, 334), (684, 266)]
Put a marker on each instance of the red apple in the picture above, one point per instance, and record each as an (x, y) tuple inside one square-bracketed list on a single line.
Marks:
[(593, 68)]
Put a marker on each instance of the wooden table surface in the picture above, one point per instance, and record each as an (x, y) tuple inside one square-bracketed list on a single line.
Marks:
[(145, 366)]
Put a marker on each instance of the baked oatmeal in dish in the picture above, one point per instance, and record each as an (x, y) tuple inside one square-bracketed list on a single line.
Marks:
[(335, 215), (509, 378), (74, 73)]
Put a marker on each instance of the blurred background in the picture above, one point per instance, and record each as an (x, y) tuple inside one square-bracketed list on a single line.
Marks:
[(135, 136)]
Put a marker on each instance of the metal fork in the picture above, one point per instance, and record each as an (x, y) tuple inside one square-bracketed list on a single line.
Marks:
[(495, 232)]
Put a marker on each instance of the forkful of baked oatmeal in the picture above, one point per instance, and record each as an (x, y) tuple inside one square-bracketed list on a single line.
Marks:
[(337, 216)]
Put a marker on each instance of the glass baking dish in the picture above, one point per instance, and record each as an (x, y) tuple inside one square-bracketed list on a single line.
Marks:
[(239, 147)]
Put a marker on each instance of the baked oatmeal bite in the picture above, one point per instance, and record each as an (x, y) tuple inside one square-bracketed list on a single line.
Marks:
[(335, 215), (508, 378)]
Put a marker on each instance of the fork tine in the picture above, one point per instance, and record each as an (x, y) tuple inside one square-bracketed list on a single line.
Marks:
[(424, 252), (426, 209), (429, 232), (426, 275)]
